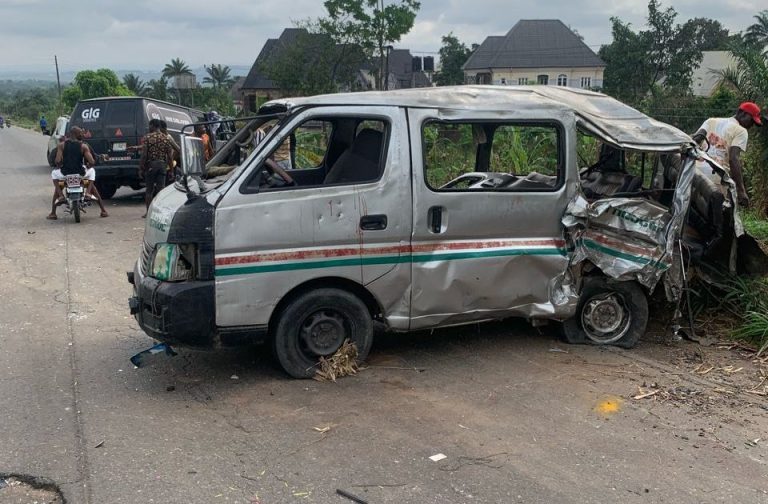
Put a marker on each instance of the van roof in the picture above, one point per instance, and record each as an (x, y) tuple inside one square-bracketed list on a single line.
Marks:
[(603, 116), (103, 98)]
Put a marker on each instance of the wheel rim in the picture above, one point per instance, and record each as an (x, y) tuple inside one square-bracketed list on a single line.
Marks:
[(322, 333), (605, 318)]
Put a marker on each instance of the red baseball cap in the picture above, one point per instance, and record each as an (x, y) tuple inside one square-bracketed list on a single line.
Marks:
[(753, 110)]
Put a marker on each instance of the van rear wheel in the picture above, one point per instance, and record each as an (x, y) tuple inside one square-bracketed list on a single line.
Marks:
[(609, 313), (315, 325)]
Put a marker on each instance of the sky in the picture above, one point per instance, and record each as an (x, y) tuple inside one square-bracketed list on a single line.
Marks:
[(146, 34)]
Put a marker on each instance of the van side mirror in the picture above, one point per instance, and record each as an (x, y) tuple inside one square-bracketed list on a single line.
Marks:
[(192, 155)]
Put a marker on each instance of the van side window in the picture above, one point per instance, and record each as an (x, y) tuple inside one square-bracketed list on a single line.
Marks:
[(327, 151), (493, 156)]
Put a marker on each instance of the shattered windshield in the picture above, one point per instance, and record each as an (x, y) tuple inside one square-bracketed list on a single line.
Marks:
[(231, 157)]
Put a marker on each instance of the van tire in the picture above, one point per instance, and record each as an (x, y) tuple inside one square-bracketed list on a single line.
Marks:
[(337, 315), (625, 314), (106, 189)]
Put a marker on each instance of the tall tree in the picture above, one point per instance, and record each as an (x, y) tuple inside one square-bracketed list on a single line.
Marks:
[(176, 68), (312, 63), (708, 34), (665, 54), (371, 25), (94, 84), (218, 76), (134, 84), (757, 33), (158, 88), (453, 54)]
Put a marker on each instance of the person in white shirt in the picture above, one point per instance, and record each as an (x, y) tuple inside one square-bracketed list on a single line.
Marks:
[(727, 139)]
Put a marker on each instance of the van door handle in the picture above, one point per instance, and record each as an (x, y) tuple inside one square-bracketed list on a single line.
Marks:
[(373, 222), (435, 219)]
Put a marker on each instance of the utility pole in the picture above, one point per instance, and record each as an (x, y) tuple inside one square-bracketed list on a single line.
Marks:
[(58, 81)]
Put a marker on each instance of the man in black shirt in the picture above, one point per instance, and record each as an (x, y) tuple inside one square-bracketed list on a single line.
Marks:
[(70, 157)]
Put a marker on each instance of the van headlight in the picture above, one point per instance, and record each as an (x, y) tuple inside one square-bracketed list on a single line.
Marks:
[(172, 262)]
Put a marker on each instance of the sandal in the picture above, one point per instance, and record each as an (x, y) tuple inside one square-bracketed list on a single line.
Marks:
[(51, 217), (104, 214)]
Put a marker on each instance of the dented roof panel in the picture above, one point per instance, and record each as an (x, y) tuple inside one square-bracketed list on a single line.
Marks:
[(600, 114)]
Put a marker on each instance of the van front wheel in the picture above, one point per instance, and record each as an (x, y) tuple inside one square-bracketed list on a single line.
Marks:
[(315, 325), (609, 313)]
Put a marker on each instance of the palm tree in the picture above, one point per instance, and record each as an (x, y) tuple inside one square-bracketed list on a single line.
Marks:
[(134, 84), (176, 68), (218, 76), (158, 88), (757, 34)]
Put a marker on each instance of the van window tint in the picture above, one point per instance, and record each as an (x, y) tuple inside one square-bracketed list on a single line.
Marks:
[(492, 156), (120, 113)]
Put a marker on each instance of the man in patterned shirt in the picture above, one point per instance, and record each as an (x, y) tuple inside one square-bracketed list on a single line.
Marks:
[(156, 157)]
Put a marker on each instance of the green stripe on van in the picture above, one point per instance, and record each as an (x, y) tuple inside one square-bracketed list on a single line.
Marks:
[(623, 255), (369, 261)]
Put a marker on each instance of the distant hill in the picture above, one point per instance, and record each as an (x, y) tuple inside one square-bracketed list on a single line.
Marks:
[(49, 75)]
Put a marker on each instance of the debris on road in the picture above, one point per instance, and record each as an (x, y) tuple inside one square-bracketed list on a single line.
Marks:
[(322, 430), (151, 355), (644, 394), (99, 444), (234, 377), (438, 457), (340, 364), (352, 497)]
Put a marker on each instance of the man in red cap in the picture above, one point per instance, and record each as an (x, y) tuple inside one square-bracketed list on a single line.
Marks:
[(727, 138)]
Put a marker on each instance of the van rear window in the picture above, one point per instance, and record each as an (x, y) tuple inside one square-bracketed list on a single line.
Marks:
[(120, 113)]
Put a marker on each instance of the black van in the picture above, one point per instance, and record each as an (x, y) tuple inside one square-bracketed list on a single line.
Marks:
[(115, 126)]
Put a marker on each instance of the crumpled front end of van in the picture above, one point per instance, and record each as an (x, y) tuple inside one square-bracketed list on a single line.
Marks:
[(629, 238)]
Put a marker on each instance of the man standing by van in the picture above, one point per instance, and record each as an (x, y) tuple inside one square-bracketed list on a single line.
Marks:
[(727, 139), (43, 124), (156, 157)]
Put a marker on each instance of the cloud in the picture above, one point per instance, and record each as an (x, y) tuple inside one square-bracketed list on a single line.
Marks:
[(148, 33)]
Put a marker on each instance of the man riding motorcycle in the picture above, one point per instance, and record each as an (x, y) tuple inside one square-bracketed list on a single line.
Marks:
[(73, 157)]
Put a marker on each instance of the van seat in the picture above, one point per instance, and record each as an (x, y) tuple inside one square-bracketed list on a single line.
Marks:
[(599, 184), (360, 162)]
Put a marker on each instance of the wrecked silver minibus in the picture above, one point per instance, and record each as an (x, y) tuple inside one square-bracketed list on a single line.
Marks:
[(416, 209)]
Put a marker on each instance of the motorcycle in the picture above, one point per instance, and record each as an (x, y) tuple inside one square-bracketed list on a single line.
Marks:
[(74, 193)]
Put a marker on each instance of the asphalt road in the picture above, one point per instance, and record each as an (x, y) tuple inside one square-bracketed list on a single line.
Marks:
[(519, 416)]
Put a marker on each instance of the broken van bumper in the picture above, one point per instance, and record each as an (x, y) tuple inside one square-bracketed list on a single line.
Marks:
[(179, 313)]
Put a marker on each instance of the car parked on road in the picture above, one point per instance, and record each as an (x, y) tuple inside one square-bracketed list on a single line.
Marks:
[(57, 135), (417, 209)]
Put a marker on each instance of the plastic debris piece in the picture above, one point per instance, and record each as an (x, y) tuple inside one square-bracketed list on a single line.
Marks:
[(352, 497), (99, 444), (438, 457), (234, 377), (150, 355), (322, 430)]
